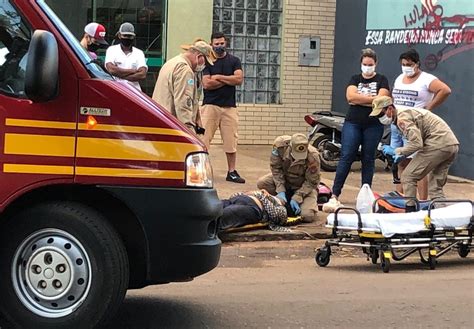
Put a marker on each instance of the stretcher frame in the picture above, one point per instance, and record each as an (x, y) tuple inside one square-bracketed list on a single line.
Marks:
[(437, 241)]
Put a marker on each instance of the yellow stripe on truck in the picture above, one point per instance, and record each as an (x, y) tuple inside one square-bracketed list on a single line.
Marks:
[(24, 144), (101, 148), (98, 127), (37, 169), (130, 173), (40, 124), (134, 129), (12, 168)]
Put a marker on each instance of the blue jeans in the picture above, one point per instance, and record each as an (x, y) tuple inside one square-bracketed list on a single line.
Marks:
[(354, 135)]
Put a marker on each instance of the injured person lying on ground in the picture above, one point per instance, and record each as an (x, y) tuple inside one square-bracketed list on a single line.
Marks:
[(244, 208)]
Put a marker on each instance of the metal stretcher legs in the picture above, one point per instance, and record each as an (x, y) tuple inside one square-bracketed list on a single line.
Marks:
[(432, 242)]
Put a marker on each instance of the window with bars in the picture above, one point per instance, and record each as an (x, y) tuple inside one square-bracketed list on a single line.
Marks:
[(253, 28)]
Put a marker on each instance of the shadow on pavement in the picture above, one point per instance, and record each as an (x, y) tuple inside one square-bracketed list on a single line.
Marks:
[(152, 312)]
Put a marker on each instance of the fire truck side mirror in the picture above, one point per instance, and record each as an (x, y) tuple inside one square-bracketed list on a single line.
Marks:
[(41, 84)]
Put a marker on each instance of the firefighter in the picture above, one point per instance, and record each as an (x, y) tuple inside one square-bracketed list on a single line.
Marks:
[(429, 139), (295, 175)]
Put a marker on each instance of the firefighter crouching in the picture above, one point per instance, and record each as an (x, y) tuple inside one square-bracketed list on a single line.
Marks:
[(429, 139), (295, 175)]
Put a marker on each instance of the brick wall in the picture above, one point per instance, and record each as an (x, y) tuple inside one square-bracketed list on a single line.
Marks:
[(303, 89)]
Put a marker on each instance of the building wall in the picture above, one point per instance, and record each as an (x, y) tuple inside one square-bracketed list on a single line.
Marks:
[(187, 20), (303, 89)]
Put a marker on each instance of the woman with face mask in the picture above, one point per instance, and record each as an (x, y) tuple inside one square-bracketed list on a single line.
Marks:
[(414, 88), (359, 129)]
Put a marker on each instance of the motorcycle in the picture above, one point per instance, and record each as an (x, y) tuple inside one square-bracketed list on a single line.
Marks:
[(325, 136)]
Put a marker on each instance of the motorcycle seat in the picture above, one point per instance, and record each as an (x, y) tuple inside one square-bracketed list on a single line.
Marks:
[(330, 113)]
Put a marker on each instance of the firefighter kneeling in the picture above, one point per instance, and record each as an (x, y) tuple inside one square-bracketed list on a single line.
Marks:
[(295, 175)]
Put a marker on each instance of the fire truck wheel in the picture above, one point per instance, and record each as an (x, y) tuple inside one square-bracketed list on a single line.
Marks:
[(61, 265)]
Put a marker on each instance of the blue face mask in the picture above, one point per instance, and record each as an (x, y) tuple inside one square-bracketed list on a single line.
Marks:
[(219, 50)]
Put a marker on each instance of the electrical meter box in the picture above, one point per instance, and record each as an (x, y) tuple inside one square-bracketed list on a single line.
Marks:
[(309, 51)]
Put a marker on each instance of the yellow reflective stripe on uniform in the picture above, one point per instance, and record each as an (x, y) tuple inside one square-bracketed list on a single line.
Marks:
[(103, 148), (24, 144), (37, 169), (134, 129), (129, 173), (40, 124)]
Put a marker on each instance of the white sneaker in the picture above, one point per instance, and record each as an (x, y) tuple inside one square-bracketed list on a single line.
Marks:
[(332, 205)]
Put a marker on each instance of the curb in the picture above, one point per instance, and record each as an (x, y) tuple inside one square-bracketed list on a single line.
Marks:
[(267, 235)]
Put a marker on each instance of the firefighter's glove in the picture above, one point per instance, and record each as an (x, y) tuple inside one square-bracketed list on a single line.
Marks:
[(397, 158), (282, 196), (388, 150), (295, 206)]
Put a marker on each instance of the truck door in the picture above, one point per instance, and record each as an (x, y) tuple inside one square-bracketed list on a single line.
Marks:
[(37, 139)]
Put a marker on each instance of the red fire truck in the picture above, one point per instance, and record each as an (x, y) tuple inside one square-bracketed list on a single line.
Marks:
[(101, 190)]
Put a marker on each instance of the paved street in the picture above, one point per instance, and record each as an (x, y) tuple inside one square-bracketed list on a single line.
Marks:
[(278, 285)]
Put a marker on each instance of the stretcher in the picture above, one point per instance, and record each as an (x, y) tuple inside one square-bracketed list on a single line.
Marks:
[(291, 221), (444, 226)]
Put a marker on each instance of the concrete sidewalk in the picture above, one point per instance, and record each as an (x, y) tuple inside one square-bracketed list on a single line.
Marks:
[(253, 162)]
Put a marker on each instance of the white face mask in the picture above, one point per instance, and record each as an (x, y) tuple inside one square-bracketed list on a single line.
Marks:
[(367, 69), (385, 120), (200, 68), (409, 71)]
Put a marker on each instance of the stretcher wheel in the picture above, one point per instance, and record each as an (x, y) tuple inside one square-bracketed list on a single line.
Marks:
[(374, 255), (384, 262), (323, 257), (432, 262), (463, 251)]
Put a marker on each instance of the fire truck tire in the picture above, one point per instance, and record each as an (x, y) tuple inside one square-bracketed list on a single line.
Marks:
[(62, 265)]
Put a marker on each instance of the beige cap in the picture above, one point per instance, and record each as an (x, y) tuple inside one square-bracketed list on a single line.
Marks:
[(379, 103), (299, 146), (204, 48)]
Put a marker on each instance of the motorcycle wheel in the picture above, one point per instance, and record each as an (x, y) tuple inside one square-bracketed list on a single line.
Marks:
[(328, 158)]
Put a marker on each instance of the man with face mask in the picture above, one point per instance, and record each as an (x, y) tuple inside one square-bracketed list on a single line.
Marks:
[(429, 139), (124, 61), (93, 38), (176, 88), (219, 108)]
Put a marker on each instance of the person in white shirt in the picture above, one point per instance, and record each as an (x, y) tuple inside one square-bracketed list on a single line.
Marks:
[(124, 61), (415, 89)]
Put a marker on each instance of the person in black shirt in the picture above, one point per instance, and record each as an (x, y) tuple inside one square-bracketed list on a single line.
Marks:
[(359, 129), (219, 108)]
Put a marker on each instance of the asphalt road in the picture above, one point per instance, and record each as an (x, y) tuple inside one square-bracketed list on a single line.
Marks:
[(278, 285)]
